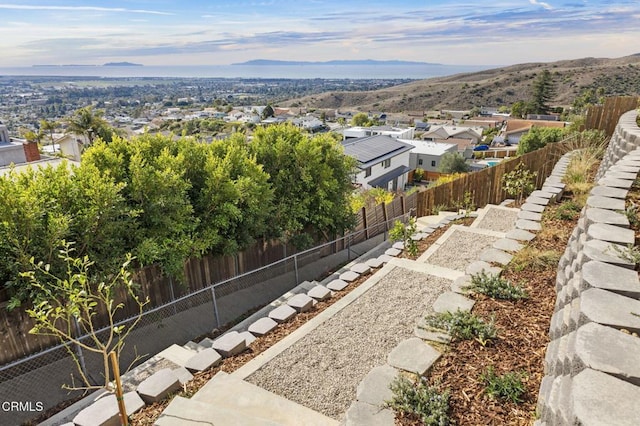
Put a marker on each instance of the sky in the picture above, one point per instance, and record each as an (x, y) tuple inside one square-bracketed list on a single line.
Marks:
[(221, 32)]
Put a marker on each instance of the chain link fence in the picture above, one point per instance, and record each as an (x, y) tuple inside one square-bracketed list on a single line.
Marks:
[(36, 381)]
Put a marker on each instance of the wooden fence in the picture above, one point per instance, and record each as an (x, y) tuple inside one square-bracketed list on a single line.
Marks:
[(16, 342), (605, 117)]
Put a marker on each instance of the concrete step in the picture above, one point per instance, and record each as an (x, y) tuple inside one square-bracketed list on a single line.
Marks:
[(182, 411), (229, 393)]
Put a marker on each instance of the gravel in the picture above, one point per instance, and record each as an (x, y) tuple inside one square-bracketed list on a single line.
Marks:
[(324, 368), (499, 220), (460, 249)]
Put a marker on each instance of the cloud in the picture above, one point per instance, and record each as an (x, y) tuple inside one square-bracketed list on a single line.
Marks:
[(81, 8), (541, 3)]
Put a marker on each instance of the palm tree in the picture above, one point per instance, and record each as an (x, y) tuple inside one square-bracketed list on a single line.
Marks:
[(90, 124), (49, 126)]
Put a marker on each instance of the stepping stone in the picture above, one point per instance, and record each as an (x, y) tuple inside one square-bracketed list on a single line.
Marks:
[(363, 414), (606, 191), (609, 309), (349, 276), (203, 360), (625, 169), (158, 386), (528, 225), (542, 194), (606, 252), (620, 175), (616, 183), (413, 355), (611, 233), (183, 375), (319, 292), (248, 337), (282, 313), (460, 285), (193, 346), (374, 388), (105, 411), (262, 326), (300, 302), (481, 266), (451, 302), (555, 184), (492, 255), (596, 215), (428, 230), (399, 245), (361, 268), (606, 203), (177, 354), (520, 235), (431, 336), (507, 244), (392, 252), (538, 200), (230, 344), (308, 285), (374, 263), (419, 236), (526, 215), (611, 277), (206, 342), (337, 285), (385, 258), (535, 208)]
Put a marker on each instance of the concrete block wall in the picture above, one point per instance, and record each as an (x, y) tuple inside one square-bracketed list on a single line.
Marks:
[(592, 367)]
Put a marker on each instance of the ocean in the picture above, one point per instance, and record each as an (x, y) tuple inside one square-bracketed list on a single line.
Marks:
[(249, 71)]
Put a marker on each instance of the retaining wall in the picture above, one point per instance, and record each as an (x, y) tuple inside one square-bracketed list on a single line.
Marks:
[(592, 372)]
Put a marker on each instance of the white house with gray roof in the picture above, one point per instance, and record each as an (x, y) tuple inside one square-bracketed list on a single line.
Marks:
[(426, 155), (383, 162)]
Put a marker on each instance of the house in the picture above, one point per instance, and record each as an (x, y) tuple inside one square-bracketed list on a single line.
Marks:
[(426, 155), (515, 129), (16, 151), (447, 131), (383, 161), (69, 145), (394, 132)]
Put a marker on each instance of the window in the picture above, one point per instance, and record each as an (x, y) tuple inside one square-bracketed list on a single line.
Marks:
[(387, 163), (367, 172), (433, 163), (420, 162)]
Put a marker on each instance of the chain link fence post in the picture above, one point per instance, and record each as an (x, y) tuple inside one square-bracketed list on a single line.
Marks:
[(78, 349), (215, 305), (295, 266)]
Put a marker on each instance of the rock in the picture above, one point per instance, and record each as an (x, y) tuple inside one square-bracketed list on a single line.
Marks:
[(158, 386)]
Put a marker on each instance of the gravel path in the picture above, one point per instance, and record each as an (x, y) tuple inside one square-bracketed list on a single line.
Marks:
[(499, 220), (460, 249), (323, 369)]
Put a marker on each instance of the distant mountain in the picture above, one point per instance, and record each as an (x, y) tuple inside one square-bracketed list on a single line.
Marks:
[(121, 64), (492, 87), (260, 62)]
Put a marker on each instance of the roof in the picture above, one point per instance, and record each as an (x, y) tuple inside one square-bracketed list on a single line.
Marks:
[(448, 131), (430, 148), (518, 125), (372, 149), (46, 161), (460, 142), (382, 180)]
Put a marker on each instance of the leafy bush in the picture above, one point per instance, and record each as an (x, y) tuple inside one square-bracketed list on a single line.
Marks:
[(403, 233), (519, 182), (463, 325), (508, 386), (418, 174), (538, 137), (569, 210), (496, 287), (428, 402)]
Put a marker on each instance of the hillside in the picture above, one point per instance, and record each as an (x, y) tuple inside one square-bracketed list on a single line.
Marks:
[(495, 87)]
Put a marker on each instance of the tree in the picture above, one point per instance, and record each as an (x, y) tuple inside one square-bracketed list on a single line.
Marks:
[(543, 92), (311, 180), (267, 112), (50, 127), (453, 162), (361, 119), (90, 124), (538, 137), (67, 307)]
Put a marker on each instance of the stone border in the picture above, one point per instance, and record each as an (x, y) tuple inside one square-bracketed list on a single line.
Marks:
[(592, 375)]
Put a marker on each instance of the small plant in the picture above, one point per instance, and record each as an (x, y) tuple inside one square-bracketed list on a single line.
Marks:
[(427, 402), (631, 212), (403, 233), (519, 182), (496, 287), (569, 210), (508, 386), (438, 208), (630, 253), (534, 259), (463, 325), (466, 205), (418, 174)]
